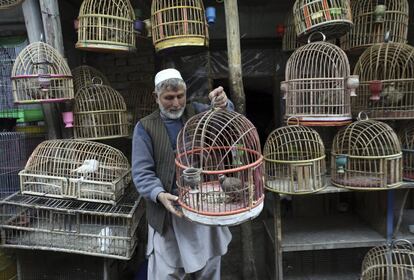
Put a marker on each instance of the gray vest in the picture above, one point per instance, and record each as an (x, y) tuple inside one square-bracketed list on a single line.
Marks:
[(164, 162)]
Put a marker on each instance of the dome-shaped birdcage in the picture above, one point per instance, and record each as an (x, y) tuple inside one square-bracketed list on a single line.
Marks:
[(333, 18), (106, 26), (375, 21), (219, 168), (318, 85), (394, 261), (6, 4), (41, 74), (100, 113), (178, 24), (406, 136), (386, 73), (86, 75), (289, 41), (294, 160), (78, 169), (366, 155)]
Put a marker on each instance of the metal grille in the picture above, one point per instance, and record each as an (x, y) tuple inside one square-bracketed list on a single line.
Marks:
[(407, 144), (32, 222)]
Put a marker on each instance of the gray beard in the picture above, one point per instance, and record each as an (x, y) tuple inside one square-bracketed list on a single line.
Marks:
[(172, 115)]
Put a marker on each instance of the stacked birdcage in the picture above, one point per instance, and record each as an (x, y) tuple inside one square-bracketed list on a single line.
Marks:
[(375, 22), (392, 261), (86, 75), (294, 160), (366, 155), (41, 74), (406, 136), (100, 113), (318, 85), (77, 169), (178, 24), (106, 26), (219, 168), (386, 90), (140, 101), (333, 18), (66, 225), (6, 4)]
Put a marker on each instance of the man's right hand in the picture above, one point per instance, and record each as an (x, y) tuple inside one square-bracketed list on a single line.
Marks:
[(168, 200)]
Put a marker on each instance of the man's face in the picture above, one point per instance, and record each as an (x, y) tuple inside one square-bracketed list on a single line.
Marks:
[(172, 103)]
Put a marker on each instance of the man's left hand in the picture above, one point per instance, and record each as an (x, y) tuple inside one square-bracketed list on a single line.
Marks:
[(218, 98)]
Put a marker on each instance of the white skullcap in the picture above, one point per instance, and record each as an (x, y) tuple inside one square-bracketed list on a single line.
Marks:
[(166, 74)]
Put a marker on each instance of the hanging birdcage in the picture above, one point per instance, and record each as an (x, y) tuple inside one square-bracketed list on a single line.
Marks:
[(6, 4), (386, 73), (82, 170), (219, 168), (99, 113), (407, 144), (318, 86), (86, 75), (41, 74), (366, 155), (106, 26), (375, 22), (178, 24), (389, 262), (294, 160), (67, 225), (333, 18), (289, 41)]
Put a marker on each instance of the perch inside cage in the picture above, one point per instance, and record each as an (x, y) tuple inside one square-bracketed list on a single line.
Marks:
[(374, 21), (106, 26), (333, 18), (6, 4), (318, 85), (294, 160), (407, 144), (394, 261), (386, 90), (85, 75), (219, 169), (100, 113), (77, 169), (366, 155), (41, 74), (178, 24)]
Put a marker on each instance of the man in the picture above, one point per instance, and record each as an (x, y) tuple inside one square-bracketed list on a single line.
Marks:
[(176, 246)]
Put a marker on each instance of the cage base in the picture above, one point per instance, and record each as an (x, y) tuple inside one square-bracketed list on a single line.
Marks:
[(225, 220), (51, 100), (181, 42), (274, 186), (363, 183), (331, 29), (321, 121), (104, 48), (391, 115), (408, 176)]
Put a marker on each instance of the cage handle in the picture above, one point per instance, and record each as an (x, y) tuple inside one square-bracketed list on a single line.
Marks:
[(293, 118), (394, 243), (361, 115), (97, 81), (318, 32)]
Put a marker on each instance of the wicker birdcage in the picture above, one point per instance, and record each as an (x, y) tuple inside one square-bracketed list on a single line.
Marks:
[(289, 41), (100, 113), (389, 262), (6, 4), (106, 26), (86, 75), (366, 155), (386, 73), (406, 136), (41, 74), (78, 169), (294, 160), (318, 86), (219, 168), (178, 24), (375, 22), (333, 18), (67, 225)]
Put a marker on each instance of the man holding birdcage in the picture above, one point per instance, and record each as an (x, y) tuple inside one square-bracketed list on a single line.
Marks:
[(176, 246)]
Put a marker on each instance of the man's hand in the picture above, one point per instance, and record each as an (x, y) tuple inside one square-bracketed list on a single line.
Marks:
[(168, 200), (218, 97)]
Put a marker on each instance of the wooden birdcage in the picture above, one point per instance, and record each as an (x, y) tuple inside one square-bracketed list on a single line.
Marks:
[(41, 74), (289, 41), (86, 75), (389, 262), (386, 90), (333, 18), (82, 170), (366, 155), (6, 4), (376, 21), (99, 113), (178, 24), (219, 168), (407, 144), (294, 160), (106, 26), (318, 85)]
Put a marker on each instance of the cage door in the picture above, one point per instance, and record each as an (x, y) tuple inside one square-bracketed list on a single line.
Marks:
[(303, 176)]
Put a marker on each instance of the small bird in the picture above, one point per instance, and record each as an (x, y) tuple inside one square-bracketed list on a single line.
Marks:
[(391, 95), (88, 166), (233, 188)]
